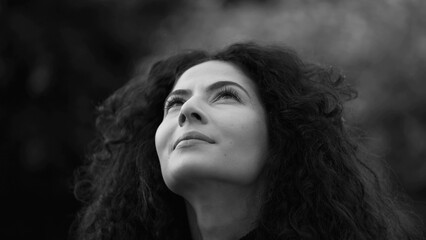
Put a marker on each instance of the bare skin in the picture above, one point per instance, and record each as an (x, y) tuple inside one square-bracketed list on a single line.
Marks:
[(212, 145), (222, 212)]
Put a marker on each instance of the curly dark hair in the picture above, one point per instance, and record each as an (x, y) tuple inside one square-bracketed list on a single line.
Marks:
[(318, 186)]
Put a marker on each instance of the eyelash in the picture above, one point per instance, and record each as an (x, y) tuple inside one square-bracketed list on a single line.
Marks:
[(172, 101), (228, 92)]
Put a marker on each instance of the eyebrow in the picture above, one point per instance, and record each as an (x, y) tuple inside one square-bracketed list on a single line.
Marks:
[(211, 88)]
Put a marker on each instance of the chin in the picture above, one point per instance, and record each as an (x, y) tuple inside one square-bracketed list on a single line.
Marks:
[(182, 179), (189, 176)]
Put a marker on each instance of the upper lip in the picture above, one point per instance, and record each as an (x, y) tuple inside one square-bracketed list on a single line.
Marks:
[(193, 135)]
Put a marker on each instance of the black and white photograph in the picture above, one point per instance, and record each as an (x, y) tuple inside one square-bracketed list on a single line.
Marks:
[(213, 119)]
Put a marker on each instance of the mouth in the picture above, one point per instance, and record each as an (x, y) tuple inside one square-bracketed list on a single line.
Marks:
[(193, 135)]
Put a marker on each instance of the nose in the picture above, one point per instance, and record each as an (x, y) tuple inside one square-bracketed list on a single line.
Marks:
[(191, 112)]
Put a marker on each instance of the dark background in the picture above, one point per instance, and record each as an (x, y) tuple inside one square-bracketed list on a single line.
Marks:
[(60, 58)]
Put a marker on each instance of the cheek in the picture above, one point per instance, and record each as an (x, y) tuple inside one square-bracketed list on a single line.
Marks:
[(161, 142), (249, 131), (246, 145)]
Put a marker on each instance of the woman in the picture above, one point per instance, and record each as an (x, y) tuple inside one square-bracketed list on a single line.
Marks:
[(245, 143)]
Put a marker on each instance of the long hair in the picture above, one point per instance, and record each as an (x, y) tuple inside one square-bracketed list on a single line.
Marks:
[(317, 185)]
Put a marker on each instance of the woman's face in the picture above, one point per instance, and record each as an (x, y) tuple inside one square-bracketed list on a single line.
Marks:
[(214, 128)]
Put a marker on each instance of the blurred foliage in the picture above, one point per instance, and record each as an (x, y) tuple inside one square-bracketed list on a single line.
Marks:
[(380, 46), (60, 58)]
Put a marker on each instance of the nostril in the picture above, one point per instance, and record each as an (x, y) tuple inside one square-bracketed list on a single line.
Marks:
[(190, 117), (182, 119), (196, 116)]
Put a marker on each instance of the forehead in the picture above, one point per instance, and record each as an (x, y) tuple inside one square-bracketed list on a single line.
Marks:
[(210, 72)]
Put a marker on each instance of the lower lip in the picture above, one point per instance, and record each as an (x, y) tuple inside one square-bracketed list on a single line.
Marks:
[(190, 143)]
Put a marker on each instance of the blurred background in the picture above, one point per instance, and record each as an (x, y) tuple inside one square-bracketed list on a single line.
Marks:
[(60, 58)]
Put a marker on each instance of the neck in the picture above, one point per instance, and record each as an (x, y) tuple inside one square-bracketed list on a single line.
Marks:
[(224, 212)]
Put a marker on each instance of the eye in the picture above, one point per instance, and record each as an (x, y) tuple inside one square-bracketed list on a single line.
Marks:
[(172, 102), (227, 93)]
